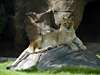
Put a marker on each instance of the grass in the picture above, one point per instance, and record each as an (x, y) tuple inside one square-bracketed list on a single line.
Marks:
[(62, 71)]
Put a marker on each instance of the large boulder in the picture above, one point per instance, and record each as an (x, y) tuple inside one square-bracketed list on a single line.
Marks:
[(64, 57), (59, 57)]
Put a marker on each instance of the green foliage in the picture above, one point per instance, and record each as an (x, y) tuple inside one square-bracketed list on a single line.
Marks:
[(62, 71)]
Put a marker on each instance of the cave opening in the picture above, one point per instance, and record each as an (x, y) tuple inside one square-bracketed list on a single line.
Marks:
[(89, 29)]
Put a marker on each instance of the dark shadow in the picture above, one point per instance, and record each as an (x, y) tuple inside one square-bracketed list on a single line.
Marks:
[(7, 34), (89, 29)]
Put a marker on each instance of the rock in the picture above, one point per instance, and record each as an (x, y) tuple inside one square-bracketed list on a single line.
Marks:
[(63, 57), (26, 63), (5, 59)]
